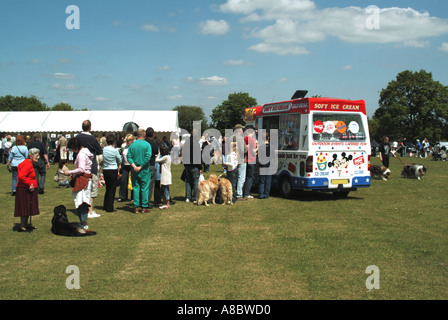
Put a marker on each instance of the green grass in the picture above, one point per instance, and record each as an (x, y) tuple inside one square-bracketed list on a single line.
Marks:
[(311, 247)]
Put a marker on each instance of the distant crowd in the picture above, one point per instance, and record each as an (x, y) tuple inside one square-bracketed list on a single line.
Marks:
[(421, 149)]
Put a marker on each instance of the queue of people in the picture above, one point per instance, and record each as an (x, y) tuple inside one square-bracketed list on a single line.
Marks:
[(139, 164)]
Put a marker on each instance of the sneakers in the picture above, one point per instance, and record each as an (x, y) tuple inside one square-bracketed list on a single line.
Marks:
[(93, 215), (164, 207)]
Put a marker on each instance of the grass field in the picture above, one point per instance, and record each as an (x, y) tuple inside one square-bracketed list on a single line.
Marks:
[(311, 247)]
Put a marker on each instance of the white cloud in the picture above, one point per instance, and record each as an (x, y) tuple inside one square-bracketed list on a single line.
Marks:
[(281, 50), (282, 25), (35, 61), (233, 62), (347, 67), (214, 27), (60, 86), (164, 68), (176, 97), (209, 81), (444, 47), (150, 27), (101, 99), (65, 76)]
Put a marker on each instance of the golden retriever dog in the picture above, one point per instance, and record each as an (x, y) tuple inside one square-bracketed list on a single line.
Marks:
[(207, 190), (225, 190)]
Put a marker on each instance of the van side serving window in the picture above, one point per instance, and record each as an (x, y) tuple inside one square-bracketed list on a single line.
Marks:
[(288, 127), (338, 127), (288, 132)]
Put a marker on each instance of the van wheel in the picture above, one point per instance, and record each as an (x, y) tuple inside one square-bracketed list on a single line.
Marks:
[(286, 188), (341, 193)]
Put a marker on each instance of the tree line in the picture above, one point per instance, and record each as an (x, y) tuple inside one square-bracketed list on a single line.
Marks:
[(413, 106), (13, 103)]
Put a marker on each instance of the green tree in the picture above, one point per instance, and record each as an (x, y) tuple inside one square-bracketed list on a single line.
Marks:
[(231, 111), (413, 106), (188, 114), (11, 103), (62, 106)]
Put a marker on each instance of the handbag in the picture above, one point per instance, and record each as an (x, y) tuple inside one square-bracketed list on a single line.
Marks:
[(129, 182), (56, 177), (183, 177)]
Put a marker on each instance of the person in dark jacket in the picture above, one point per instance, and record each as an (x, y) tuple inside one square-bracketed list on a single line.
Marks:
[(152, 163), (191, 157)]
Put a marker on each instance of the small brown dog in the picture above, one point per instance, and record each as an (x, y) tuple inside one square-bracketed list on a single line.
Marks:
[(207, 190), (225, 190)]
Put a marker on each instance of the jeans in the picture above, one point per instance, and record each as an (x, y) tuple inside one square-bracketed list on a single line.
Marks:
[(241, 179), (41, 170), (166, 192), (249, 179), (191, 182), (82, 212), (233, 178), (15, 172), (264, 187), (152, 169)]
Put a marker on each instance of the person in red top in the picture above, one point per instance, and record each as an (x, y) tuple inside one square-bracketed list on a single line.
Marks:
[(27, 203), (251, 159)]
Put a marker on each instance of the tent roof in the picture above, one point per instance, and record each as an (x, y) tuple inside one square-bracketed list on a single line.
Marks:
[(71, 121)]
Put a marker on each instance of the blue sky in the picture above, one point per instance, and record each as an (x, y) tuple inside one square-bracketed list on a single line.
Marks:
[(156, 55)]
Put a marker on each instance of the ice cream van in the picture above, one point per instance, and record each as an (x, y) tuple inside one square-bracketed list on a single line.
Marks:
[(323, 143)]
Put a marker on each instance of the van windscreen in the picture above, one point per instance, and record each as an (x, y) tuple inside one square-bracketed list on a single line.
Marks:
[(338, 127)]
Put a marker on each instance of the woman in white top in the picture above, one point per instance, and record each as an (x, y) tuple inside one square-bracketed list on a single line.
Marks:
[(232, 167), (83, 179), (165, 179)]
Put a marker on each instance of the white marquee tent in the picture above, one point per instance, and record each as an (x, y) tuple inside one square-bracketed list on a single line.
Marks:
[(71, 121)]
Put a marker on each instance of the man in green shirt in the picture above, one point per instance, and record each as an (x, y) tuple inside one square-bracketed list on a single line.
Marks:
[(139, 155)]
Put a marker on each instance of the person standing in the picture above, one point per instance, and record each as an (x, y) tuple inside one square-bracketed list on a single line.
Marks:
[(242, 150), (231, 161), (191, 157), (43, 164), (111, 167), (62, 145), (7, 145), (17, 155), (264, 187), (251, 160), (152, 163), (125, 169), (139, 157), (385, 151), (83, 180), (27, 201), (165, 179), (88, 141)]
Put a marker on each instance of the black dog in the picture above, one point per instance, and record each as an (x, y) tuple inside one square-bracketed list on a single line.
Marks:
[(61, 226)]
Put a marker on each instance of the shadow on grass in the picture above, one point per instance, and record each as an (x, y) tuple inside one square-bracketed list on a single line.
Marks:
[(312, 196)]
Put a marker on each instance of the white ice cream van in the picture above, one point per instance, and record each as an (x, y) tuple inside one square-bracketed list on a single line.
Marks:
[(323, 143)]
